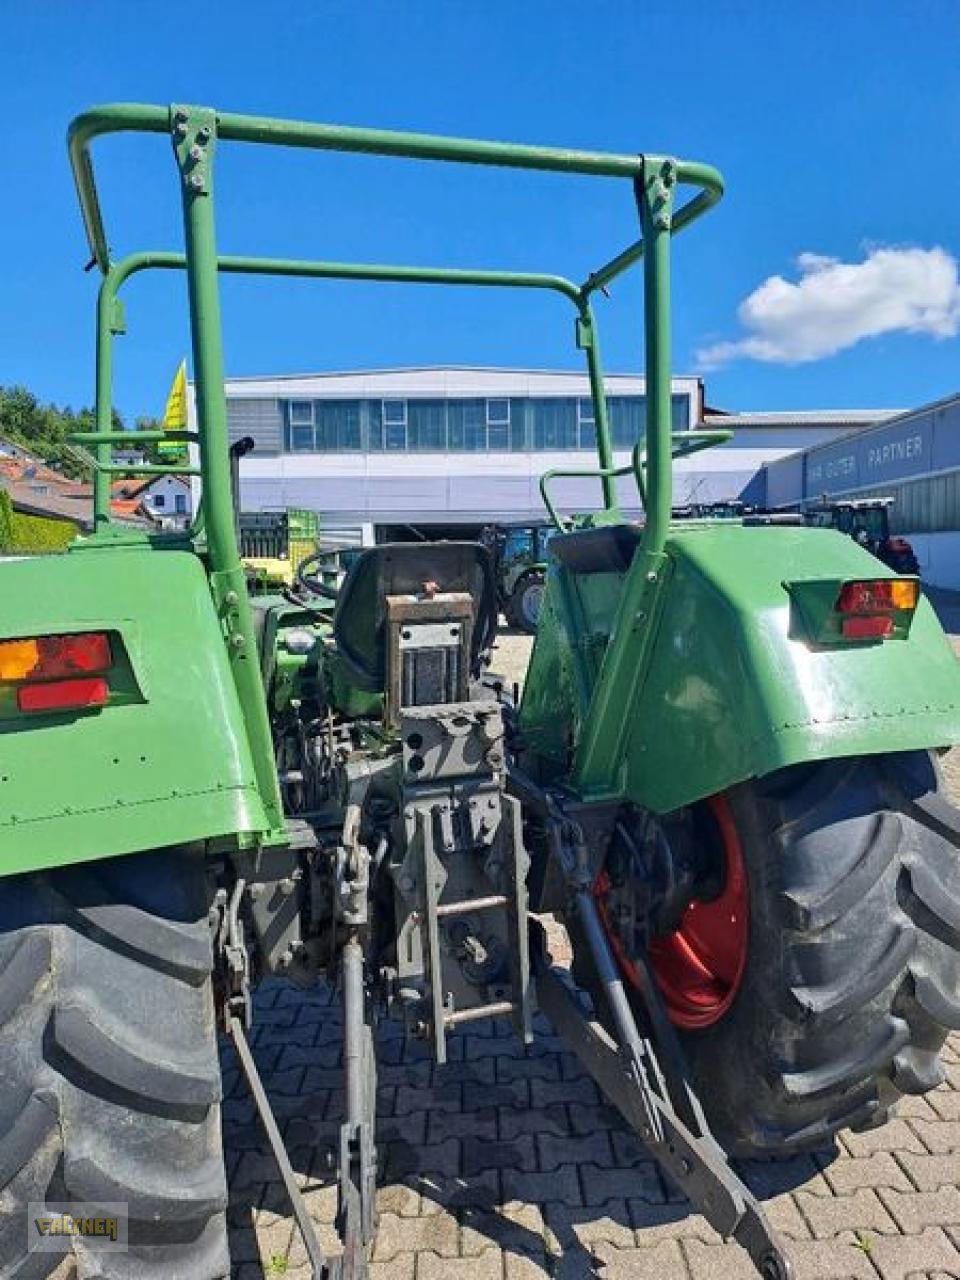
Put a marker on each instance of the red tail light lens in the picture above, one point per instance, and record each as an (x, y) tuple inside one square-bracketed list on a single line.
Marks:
[(63, 695), (55, 657), (58, 673), (881, 595), (876, 628)]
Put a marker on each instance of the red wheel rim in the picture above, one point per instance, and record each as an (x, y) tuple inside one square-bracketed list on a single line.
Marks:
[(700, 966)]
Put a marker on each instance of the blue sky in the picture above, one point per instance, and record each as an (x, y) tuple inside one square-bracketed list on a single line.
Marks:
[(836, 128)]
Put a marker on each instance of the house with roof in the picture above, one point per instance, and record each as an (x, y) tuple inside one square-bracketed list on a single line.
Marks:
[(166, 500)]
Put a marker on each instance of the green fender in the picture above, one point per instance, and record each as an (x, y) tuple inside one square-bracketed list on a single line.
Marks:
[(732, 688), (167, 760)]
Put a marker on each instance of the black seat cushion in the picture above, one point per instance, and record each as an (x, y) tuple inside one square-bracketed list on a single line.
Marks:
[(607, 549), (402, 568)]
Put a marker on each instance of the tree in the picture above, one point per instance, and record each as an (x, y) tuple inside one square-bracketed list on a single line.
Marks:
[(44, 428)]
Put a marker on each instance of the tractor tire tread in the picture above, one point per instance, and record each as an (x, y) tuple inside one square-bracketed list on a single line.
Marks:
[(110, 1084), (853, 980)]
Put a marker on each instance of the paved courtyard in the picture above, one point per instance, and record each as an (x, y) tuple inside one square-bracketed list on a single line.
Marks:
[(504, 1166)]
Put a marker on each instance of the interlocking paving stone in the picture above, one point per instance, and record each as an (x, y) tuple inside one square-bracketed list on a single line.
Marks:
[(896, 1135), (515, 1155), (568, 1226), (930, 1172), (897, 1257), (440, 1191), (946, 1103), (540, 1188), (438, 1233), (919, 1209), (515, 1228), (663, 1261), (543, 1092), (639, 1182), (878, 1170), (516, 1120), (655, 1222), (829, 1215), (717, 1261), (488, 1266), (546, 1068), (841, 1258), (401, 1267), (938, 1136), (592, 1148), (481, 1123)]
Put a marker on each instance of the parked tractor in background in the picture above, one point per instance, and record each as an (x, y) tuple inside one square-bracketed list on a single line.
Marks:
[(867, 521), (721, 779), (520, 559)]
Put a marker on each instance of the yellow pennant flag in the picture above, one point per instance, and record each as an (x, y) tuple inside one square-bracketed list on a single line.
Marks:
[(175, 414)]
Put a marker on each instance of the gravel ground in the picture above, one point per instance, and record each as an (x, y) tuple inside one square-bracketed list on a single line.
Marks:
[(503, 1166)]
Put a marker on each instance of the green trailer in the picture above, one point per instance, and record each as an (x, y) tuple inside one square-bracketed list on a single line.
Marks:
[(722, 779)]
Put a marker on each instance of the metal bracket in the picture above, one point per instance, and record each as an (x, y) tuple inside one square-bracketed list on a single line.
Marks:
[(194, 134), (356, 1201), (656, 186), (645, 1078), (118, 318), (265, 1112), (694, 1160)]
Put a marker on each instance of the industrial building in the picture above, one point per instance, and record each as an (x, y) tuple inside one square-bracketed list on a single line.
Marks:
[(377, 451), (913, 457)]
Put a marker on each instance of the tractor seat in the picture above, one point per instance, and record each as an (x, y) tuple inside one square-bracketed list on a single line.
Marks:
[(609, 548), (402, 568)]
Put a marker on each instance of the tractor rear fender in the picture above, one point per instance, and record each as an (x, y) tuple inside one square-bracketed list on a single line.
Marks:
[(731, 686), (167, 760), (736, 689)]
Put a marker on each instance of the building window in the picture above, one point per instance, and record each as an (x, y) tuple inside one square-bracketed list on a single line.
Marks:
[(498, 425), (180, 504), (554, 423), (427, 425), (395, 424), (159, 501), (300, 426), (466, 426), (627, 416), (586, 425), (337, 426)]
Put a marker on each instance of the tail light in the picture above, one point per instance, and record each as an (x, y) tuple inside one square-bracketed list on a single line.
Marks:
[(58, 673), (868, 608)]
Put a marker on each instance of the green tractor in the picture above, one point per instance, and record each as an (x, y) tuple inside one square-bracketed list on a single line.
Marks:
[(722, 778), (520, 558), (868, 521)]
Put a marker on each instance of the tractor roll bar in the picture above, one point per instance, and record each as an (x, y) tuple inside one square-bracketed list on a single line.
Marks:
[(195, 133), (126, 117), (110, 322), (196, 130)]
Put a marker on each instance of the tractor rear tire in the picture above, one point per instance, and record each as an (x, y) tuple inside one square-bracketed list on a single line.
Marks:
[(523, 607), (109, 1080), (852, 978)]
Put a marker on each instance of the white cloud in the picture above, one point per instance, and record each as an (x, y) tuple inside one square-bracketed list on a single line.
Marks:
[(835, 304)]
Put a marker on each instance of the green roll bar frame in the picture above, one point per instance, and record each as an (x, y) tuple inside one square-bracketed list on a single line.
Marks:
[(682, 444), (195, 133)]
